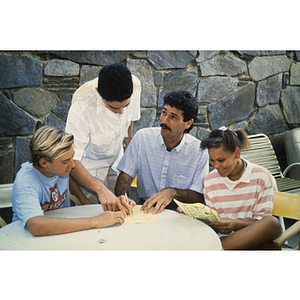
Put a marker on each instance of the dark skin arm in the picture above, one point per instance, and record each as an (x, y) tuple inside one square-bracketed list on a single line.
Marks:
[(123, 184), (161, 198), (226, 225), (165, 196), (123, 188)]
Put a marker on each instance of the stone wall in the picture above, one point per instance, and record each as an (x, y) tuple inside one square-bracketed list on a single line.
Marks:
[(258, 91)]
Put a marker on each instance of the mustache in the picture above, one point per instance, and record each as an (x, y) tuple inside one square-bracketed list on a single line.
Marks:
[(162, 125)]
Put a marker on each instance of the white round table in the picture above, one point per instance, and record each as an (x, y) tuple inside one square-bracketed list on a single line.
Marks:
[(175, 231)]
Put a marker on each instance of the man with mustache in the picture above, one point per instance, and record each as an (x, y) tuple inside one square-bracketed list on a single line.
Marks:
[(169, 162)]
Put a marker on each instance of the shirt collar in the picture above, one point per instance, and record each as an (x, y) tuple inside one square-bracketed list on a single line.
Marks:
[(100, 103), (246, 176), (102, 107), (178, 147)]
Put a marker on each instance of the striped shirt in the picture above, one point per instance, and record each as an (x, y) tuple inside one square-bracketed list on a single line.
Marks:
[(184, 167), (250, 197)]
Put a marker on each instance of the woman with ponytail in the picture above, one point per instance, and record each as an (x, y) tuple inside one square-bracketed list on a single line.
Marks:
[(241, 192)]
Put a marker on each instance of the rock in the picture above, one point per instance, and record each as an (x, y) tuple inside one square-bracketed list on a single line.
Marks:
[(214, 88), (60, 83), (62, 93), (295, 74), (59, 67), (141, 70), (88, 73), (297, 53), (262, 52), (62, 109), (239, 125), (202, 134), (22, 152), (268, 120), (268, 91), (233, 108), (228, 65), (170, 59), (18, 71), (147, 120), (101, 58), (266, 66), (206, 55), (53, 120), (202, 117), (13, 120), (158, 78), (7, 155), (185, 80), (193, 132), (35, 100), (291, 105), (139, 54)]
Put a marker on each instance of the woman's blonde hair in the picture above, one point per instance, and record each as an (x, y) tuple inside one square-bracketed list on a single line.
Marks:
[(49, 143)]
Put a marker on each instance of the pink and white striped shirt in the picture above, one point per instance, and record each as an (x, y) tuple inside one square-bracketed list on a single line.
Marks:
[(250, 197)]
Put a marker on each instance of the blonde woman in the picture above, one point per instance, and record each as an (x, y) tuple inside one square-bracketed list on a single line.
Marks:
[(44, 185)]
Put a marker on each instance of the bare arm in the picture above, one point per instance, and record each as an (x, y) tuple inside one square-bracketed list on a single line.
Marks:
[(130, 135), (108, 200), (123, 184), (226, 225), (42, 225), (76, 191), (165, 196)]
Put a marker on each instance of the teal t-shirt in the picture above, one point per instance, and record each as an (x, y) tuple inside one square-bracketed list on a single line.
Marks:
[(33, 193)]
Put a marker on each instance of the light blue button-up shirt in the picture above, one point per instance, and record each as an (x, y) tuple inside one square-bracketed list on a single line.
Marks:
[(184, 167)]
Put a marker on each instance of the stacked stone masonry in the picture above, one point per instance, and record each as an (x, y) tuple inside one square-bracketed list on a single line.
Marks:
[(258, 91)]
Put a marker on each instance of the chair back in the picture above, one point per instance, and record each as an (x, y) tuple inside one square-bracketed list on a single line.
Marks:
[(286, 205), (262, 153)]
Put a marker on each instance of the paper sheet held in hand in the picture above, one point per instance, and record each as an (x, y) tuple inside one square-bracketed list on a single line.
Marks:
[(199, 211), (138, 216)]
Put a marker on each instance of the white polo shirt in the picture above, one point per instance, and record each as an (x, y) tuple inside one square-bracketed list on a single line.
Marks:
[(99, 132)]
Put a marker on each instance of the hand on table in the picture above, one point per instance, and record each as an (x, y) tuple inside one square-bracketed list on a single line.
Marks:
[(128, 204), (161, 198), (109, 218), (110, 202)]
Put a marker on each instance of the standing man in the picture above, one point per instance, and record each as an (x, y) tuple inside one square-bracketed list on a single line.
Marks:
[(169, 163), (101, 117)]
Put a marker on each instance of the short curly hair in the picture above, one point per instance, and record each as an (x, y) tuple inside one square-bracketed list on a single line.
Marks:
[(115, 82), (184, 101)]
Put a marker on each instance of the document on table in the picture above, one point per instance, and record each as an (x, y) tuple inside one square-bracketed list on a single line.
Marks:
[(199, 211), (138, 216)]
